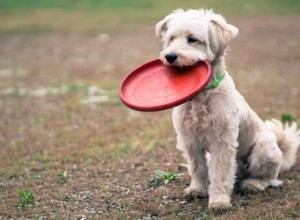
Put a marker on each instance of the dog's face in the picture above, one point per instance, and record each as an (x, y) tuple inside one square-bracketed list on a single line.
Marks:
[(194, 35)]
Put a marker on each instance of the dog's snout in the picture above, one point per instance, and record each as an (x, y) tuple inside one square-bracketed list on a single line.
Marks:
[(171, 57)]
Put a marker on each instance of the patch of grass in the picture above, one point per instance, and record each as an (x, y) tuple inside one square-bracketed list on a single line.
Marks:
[(288, 117), (15, 171), (203, 215), (22, 16), (37, 176), (43, 157), (75, 87), (233, 6), (26, 198), (63, 177), (71, 4), (123, 149), (251, 214), (290, 213), (163, 177)]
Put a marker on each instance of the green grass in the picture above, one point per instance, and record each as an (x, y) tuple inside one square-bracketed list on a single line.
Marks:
[(73, 4), (25, 197), (288, 117), (229, 6), (63, 177), (163, 177), (29, 16)]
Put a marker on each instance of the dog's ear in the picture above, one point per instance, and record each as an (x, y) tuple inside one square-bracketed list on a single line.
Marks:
[(162, 26), (220, 32)]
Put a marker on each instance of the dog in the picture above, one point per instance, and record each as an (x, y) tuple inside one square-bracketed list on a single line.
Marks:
[(221, 137)]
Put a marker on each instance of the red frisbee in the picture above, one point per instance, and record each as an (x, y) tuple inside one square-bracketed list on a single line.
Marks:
[(155, 86)]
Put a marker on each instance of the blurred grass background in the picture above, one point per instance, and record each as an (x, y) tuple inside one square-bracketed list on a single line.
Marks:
[(35, 16)]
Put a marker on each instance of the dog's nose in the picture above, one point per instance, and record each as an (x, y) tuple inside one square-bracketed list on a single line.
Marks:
[(171, 57)]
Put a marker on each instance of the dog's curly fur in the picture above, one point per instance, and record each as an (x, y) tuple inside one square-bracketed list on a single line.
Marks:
[(221, 137)]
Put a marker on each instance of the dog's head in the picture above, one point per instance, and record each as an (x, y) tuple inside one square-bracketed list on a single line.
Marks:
[(193, 35)]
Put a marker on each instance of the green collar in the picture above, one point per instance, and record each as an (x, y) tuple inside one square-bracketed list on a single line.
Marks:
[(217, 81)]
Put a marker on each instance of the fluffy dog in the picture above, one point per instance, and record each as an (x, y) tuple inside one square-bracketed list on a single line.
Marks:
[(221, 137)]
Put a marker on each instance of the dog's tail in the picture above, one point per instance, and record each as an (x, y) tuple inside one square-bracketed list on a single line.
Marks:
[(288, 139)]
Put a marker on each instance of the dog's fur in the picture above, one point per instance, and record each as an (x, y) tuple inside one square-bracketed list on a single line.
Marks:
[(221, 137)]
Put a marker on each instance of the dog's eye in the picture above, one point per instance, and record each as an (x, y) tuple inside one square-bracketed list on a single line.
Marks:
[(172, 38), (191, 40)]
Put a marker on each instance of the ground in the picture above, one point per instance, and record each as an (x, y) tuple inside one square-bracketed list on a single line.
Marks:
[(66, 137)]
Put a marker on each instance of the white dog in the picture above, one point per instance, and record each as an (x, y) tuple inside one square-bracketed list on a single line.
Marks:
[(218, 120)]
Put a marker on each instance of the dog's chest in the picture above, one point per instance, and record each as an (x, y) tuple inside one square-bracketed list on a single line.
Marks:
[(201, 111), (197, 115)]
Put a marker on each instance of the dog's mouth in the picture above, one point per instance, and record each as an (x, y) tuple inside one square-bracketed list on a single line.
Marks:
[(173, 59), (182, 66)]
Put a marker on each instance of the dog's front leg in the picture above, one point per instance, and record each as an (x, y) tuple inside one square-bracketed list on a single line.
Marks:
[(188, 143), (198, 172), (197, 168), (222, 172)]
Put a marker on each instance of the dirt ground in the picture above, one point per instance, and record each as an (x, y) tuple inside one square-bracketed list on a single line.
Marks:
[(66, 137)]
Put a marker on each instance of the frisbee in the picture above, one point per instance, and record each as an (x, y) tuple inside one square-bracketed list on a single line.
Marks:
[(155, 86)]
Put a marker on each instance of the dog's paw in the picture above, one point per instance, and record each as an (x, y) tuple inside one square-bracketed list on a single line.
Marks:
[(220, 203), (193, 192), (276, 183), (254, 185)]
